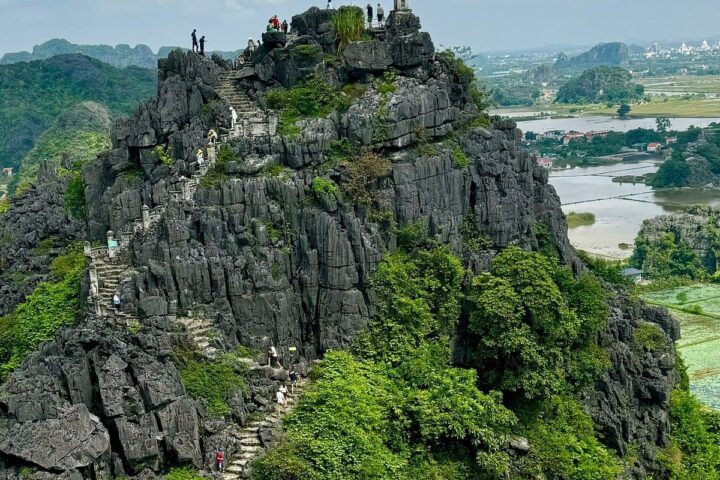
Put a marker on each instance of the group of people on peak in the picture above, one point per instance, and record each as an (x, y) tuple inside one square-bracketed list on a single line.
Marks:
[(370, 13), (198, 46), (380, 15), (274, 25)]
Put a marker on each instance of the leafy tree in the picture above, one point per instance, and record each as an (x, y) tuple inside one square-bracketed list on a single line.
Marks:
[(623, 110), (663, 124), (527, 315)]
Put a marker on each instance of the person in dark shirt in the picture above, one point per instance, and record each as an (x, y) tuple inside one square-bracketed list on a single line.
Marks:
[(194, 41), (202, 45), (369, 15)]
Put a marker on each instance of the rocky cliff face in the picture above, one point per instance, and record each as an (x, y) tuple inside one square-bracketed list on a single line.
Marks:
[(270, 260), (31, 235)]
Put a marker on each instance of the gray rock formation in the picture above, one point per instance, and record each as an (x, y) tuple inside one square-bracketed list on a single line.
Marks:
[(32, 234), (270, 261)]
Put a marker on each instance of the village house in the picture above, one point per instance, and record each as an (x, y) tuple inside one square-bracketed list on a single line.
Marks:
[(654, 147), (544, 162), (8, 171), (572, 135), (671, 140), (591, 135)]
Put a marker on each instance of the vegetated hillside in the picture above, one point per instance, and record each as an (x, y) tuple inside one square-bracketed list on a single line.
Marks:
[(33, 95), (602, 55), (120, 56), (601, 85), (695, 160), (79, 135), (383, 226), (682, 244)]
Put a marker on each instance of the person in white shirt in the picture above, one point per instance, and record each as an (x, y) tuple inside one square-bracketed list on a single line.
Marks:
[(116, 301), (281, 398), (233, 117), (200, 158)]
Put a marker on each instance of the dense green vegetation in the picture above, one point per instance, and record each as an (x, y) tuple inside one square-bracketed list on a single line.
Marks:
[(667, 257), (78, 136), (215, 381), (398, 408), (694, 450), (314, 98), (611, 85), (675, 172), (33, 95), (53, 304)]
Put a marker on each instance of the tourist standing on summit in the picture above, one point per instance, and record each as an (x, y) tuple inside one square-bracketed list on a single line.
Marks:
[(329, 5), (380, 15), (284, 27), (202, 45), (250, 49), (193, 35), (369, 15)]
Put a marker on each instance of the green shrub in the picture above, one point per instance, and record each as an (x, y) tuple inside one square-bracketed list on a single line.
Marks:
[(650, 336), (315, 98), (307, 51), (564, 443), (75, 196), (213, 380), (354, 90), (349, 24), (218, 172), (274, 170), (165, 156), (456, 66), (53, 304), (412, 235), (386, 85), (364, 173), (693, 452), (461, 160), (341, 151), (4, 205), (182, 473), (323, 186)]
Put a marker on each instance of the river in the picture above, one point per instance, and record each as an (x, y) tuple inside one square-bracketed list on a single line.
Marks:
[(589, 123), (618, 220)]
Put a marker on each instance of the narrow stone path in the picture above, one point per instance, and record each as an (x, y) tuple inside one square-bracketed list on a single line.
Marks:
[(252, 121), (202, 331), (239, 466), (108, 269)]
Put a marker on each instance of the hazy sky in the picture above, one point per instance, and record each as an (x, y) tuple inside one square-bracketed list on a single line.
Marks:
[(484, 24)]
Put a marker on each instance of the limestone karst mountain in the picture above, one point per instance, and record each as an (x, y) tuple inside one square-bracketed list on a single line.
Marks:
[(339, 158)]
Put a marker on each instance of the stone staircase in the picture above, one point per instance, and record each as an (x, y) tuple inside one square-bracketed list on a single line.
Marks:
[(252, 121), (238, 467), (109, 275), (202, 331), (108, 267)]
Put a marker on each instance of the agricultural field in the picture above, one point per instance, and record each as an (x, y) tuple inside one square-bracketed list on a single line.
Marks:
[(681, 85), (697, 308)]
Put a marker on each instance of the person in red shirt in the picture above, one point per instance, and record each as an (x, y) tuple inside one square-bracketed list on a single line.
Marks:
[(276, 23), (220, 458)]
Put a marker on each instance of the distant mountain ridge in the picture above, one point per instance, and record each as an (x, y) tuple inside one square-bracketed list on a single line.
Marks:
[(120, 56), (602, 55)]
